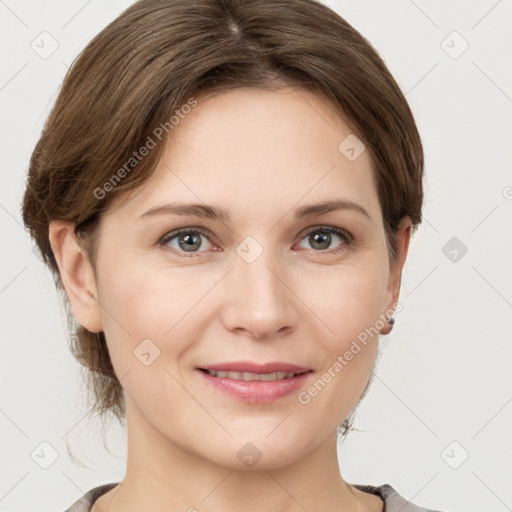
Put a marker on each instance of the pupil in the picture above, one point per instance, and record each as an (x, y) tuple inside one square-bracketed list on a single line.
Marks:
[(324, 239), (190, 243)]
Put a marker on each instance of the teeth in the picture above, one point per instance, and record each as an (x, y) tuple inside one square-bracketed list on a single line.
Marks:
[(268, 376), (247, 376)]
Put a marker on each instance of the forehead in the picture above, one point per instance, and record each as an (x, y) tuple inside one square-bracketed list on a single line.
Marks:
[(254, 148)]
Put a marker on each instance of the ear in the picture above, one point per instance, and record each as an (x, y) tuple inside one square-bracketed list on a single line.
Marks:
[(403, 237), (76, 273)]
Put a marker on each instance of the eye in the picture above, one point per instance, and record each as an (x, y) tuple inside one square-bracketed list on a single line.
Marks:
[(187, 240), (321, 238)]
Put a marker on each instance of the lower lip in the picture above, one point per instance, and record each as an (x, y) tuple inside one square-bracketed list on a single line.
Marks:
[(257, 391)]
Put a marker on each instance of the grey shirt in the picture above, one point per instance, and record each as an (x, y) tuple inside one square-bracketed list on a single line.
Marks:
[(393, 502)]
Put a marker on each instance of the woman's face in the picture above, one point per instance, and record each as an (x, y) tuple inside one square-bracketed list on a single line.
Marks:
[(268, 283)]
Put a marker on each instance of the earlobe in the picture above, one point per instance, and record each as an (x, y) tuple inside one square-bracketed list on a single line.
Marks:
[(76, 273)]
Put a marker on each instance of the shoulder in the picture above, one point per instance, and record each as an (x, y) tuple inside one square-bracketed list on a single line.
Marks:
[(393, 501), (85, 503)]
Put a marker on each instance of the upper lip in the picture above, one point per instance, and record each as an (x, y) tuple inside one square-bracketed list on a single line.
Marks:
[(247, 366)]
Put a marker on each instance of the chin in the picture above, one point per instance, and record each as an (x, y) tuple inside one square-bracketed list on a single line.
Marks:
[(258, 452)]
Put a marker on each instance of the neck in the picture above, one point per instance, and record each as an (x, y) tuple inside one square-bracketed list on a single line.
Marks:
[(162, 476)]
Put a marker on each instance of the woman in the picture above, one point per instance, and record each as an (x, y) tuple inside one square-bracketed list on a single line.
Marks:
[(226, 190)]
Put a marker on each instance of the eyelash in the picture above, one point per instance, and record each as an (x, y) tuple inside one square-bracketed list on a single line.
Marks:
[(345, 236)]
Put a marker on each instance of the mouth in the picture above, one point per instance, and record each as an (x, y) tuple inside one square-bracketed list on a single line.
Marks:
[(249, 376), (256, 383)]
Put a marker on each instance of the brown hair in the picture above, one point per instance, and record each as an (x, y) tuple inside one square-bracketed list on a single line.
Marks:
[(148, 63)]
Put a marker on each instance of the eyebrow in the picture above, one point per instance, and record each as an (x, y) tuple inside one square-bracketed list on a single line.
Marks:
[(216, 213)]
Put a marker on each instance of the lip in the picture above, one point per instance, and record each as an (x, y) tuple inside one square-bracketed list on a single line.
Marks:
[(256, 391), (248, 366)]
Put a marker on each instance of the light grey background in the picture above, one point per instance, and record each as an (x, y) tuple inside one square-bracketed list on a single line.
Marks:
[(443, 389)]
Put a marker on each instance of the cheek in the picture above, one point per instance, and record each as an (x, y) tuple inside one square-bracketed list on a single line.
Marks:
[(157, 305), (129, 309), (350, 301), (353, 316)]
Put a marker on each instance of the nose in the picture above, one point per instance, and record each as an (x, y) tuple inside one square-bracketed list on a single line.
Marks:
[(260, 301)]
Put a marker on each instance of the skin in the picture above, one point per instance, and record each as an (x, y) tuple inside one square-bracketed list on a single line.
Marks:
[(260, 155)]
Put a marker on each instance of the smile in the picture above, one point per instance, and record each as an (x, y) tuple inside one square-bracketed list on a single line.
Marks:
[(255, 383), (248, 376)]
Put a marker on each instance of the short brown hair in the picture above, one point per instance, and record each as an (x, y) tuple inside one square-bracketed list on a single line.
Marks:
[(151, 61)]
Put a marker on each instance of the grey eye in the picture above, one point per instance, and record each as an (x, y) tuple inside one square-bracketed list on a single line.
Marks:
[(188, 241), (321, 239)]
